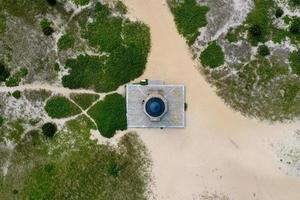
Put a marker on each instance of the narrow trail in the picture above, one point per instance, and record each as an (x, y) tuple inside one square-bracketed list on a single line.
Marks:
[(219, 150)]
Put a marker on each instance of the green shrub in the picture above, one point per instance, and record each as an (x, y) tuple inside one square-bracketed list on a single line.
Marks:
[(212, 56), (17, 94), (4, 73), (189, 17), (61, 107), (81, 2), (46, 27), (49, 129), (294, 59), (67, 41), (13, 81), (56, 67), (279, 12), (263, 50), (84, 100), (110, 114)]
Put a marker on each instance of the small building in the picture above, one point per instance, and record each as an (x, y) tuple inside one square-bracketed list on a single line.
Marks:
[(153, 104)]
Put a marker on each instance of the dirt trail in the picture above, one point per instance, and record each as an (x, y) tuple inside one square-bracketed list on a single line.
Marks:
[(219, 150)]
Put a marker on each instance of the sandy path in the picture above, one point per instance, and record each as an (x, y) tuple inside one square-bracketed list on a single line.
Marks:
[(219, 150)]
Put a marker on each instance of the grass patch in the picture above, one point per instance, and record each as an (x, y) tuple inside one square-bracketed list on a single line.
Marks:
[(110, 115), (84, 100), (66, 42), (212, 56), (61, 107), (189, 17)]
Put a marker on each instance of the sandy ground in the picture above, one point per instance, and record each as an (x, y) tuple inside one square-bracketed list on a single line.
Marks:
[(219, 150)]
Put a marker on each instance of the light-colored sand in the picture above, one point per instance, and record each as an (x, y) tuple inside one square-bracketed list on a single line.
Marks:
[(219, 150)]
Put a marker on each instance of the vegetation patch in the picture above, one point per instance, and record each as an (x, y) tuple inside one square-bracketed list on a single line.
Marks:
[(212, 56), (16, 94), (61, 107), (49, 129), (46, 27), (84, 100), (189, 17), (4, 73), (110, 115), (81, 2), (295, 62)]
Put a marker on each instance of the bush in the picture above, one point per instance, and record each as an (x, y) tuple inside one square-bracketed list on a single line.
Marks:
[(279, 12), (49, 129), (189, 17), (295, 26), (212, 56), (4, 73), (263, 50), (56, 67), (17, 94), (46, 27), (67, 41), (120, 7), (61, 107), (110, 115)]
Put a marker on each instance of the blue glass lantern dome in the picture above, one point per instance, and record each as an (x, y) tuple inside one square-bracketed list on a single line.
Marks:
[(155, 107)]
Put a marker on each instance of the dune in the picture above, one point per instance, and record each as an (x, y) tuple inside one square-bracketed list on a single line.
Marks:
[(219, 150)]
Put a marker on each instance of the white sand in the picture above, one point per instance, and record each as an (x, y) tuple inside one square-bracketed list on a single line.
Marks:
[(219, 150)]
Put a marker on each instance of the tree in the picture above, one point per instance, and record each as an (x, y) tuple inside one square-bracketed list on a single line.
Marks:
[(4, 73), (295, 26), (49, 129)]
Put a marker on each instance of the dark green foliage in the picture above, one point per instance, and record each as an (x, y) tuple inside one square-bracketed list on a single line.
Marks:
[(279, 12), (17, 94), (189, 17), (67, 41), (16, 78), (212, 56), (263, 50), (46, 27), (61, 107), (110, 115), (49, 129), (2, 23), (4, 73), (295, 26), (84, 100), (52, 2), (295, 62)]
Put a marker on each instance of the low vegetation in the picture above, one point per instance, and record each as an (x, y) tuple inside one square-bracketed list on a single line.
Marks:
[(189, 17), (81, 2), (4, 73), (46, 27), (110, 115), (16, 94), (212, 56), (84, 100), (61, 107)]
